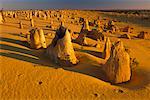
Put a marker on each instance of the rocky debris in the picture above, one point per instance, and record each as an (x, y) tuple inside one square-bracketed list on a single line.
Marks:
[(117, 67), (111, 27), (111, 23), (36, 38), (61, 49), (127, 29), (81, 39), (95, 34), (126, 36), (97, 23), (81, 19), (107, 49), (144, 35)]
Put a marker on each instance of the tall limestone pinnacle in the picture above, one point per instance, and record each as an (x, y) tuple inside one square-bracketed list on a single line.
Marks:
[(117, 67), (61, 49)]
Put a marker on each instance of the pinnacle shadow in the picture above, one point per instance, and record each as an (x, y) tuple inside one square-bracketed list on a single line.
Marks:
[(22, 43), (41, 59)]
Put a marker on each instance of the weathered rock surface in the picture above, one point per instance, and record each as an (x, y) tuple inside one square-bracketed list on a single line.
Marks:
[(117, 68), (36, 39), (107, 49), (61, 49)]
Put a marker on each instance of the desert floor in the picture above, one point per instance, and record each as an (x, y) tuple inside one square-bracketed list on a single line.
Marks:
[(28, 74)]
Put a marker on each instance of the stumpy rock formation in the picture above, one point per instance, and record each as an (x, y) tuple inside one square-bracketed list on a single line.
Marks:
[(61, 49), (36, 38), (117, 67)]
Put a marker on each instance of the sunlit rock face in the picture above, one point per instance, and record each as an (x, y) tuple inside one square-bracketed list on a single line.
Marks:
[(98, 44), (61, 49), (117, 67), (42, 38), (85, 26), (36, 39), (107, 49), (1, 18), (20, 25)]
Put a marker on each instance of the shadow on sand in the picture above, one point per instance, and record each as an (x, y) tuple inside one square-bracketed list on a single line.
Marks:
[(39, 57), (94, 53), (17, 34), (22, 43), (84, 67)]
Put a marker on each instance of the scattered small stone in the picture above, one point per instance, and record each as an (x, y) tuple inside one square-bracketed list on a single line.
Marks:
[(19, 75), (119, 91), (40, 82), (95, 94)]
